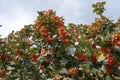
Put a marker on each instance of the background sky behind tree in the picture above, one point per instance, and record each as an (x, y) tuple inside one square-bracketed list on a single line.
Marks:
[(14, 14)]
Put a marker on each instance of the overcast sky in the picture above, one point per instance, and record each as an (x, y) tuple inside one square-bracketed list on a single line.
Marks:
[(14, 14)]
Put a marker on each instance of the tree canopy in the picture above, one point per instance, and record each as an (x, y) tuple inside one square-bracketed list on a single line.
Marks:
[(50, 50)]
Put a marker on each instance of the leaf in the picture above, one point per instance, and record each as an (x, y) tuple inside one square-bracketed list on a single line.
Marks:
[(99, 35), (100, 56), (109, 78)]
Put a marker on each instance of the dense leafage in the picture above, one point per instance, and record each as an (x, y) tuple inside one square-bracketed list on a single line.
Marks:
[(49, 50)]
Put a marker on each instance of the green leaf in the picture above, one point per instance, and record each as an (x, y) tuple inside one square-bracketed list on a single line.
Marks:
[(108, 77)]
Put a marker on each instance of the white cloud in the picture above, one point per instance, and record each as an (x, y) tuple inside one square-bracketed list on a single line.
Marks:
[(21, 18), (17, 13)]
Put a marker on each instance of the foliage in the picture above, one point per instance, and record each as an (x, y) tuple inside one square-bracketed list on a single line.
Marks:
[(48, 49)]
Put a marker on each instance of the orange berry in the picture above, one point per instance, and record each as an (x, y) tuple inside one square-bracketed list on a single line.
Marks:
[(77, 40), (73, 71), (34, 58), (66, 42), (37, 24), (2, 73), (81, 57), (50, 39), (3, 56)]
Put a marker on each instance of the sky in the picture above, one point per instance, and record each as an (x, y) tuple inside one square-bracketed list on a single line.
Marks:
[(14, 14)]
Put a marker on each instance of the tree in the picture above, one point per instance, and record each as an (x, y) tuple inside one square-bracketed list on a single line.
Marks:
[(48, 49)]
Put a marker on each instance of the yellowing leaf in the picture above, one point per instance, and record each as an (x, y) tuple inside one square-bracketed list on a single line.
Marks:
[(100, 56), (99, 35)]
